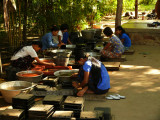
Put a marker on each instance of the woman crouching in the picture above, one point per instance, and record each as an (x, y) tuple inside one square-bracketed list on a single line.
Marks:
[(93, 76)]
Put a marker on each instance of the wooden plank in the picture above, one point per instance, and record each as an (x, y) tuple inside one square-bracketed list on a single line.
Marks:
[(121, 59), (112, 66), (129, 52)]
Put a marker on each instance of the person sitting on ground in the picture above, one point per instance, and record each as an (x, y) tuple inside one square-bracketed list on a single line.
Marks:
[(23, 58), (114, 48), (120, 32), (25, 55), (93, 76), (47, 39), (63, 35)]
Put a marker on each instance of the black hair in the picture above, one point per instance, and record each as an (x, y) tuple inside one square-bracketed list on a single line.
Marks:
[(64, 27), (108, 31), (54, 28), (95, 72), (120, 28), (39, 43)]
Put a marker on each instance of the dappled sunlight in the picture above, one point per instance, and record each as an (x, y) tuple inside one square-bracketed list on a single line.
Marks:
[(142, 84), (134, 67), (139, 78), (153, 71), (154, 89)]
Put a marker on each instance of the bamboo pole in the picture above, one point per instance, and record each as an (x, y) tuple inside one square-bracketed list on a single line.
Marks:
[(20, 33), (13, 29)]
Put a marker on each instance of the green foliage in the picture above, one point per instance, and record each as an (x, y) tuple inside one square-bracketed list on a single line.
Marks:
[(128, 5), (143, 7), (147, 2), (43, 14)]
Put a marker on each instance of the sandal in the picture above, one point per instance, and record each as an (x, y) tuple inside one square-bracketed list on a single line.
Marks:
[(112, 97), (122, 97)]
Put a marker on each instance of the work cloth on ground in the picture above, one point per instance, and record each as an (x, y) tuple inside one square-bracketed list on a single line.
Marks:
[(47, 41)]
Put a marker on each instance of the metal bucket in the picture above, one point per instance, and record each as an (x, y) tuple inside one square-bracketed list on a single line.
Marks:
[(61, 61), (13, 88), (34, 79), (65, 75), (98, 32), (61, 53), (88, 34), (48, 60)]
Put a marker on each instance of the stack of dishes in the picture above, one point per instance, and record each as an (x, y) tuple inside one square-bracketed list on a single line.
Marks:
[(54, 100), (12, 114), (75, 104), (62, 115), (40, 112)]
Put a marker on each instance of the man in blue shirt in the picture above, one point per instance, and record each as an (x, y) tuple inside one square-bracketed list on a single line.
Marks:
[(47, 39)]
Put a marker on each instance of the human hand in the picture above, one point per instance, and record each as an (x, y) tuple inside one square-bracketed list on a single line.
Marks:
[(52, 64)]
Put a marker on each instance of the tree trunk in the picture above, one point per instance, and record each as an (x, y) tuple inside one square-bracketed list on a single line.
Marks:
[(118, 13), (157, 8), (136, 9)]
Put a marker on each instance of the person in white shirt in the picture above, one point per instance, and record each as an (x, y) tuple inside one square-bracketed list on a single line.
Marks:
[(25, 55)]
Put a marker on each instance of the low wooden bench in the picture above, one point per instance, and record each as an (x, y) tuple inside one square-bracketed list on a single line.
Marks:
[(129, 52), (121, 59), (112, 66)]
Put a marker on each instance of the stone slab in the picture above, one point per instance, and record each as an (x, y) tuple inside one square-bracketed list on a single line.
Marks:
[(121, 59), (112, 66), (129, 52)]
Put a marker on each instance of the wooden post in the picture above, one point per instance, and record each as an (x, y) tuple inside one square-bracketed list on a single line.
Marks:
[(0, 65), (136, 9), (118, 13)]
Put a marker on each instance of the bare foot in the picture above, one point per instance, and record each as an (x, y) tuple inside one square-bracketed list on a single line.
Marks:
[(89, 91), (81, 92)]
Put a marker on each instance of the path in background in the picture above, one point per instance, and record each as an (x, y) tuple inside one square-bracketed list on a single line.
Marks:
[(138, 80)]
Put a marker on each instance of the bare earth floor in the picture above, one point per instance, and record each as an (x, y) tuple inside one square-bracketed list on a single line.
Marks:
[(138, 80)]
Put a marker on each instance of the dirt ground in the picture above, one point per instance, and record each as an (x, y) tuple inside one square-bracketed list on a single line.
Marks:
[(138, 80)]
